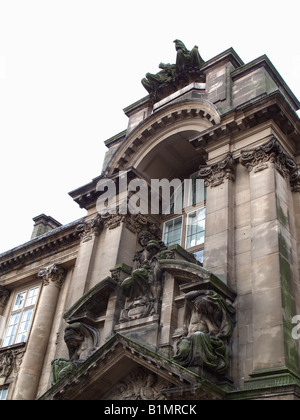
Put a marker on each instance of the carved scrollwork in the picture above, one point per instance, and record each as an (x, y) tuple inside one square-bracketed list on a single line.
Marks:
[(54, 273), (214, 175), (90, 228), (272, 152), (10, 362), (140, 384)]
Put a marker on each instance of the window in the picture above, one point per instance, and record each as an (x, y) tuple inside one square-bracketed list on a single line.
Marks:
[(195, 228), (188, 230), (173, 231), (3, 393), (21, 316)]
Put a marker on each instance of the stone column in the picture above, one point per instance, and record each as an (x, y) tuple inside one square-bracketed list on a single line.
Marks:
[(33, 360), (219, 228), (271, 257)]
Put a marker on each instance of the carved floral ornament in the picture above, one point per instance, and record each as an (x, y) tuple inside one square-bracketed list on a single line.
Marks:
[(54, 273), (272, 152), (136, 223), (10, 362), (214, 175)]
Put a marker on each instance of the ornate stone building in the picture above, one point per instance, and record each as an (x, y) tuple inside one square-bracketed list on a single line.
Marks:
[(171, 302)]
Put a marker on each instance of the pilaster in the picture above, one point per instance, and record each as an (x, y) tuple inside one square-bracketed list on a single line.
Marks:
[(219, 229), (273, 176), (88, 232)]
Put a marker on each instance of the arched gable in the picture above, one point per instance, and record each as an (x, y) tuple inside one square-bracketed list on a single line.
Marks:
[(172, 124)]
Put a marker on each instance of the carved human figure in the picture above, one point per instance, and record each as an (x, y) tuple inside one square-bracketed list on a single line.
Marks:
[(187, 59), (82, 341), (207, 330), (155, 81), (170, 73), (143, 288)]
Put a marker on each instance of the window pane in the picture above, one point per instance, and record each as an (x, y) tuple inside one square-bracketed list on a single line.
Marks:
[(195, 228), (198, 190), (3, 393), (172, 231), (19, 302), (24, 326), (11, 330), (32, 296), (199, 255)]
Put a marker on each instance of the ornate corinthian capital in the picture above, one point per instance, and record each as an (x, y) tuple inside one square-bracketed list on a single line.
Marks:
[(215, 174), (272, 152), (90, 228), (54, 273)]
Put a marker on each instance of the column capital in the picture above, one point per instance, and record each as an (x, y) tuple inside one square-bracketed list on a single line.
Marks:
[(259, 158), (4, 296), (215, 174), (54, 273), (90, 228)]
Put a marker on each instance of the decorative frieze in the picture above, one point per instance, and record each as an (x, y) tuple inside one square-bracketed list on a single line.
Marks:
[(215, 175), (136, 223), (54, 273), (272, 152), (10, 362)]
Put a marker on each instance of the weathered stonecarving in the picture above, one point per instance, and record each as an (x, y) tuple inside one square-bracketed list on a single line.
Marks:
[(195, 303)]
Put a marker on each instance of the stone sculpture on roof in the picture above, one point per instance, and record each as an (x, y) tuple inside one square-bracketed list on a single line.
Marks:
[(171, 76)]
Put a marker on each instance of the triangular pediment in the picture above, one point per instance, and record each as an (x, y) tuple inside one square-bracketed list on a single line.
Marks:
[(124, 369)]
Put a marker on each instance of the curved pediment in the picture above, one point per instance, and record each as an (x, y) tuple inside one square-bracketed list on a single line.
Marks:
[(173, 125)]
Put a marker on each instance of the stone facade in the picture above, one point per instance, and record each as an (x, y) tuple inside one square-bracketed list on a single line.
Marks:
[(108, 307)]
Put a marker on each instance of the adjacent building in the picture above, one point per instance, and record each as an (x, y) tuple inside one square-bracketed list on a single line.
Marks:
[(182, 280)]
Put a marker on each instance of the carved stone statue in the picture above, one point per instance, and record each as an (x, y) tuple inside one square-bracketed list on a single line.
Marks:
[(143, 288), (207, 330), (186, 59), (82, 341), (187, 62)]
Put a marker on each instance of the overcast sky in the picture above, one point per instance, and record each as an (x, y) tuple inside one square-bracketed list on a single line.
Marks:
[(69, 67)]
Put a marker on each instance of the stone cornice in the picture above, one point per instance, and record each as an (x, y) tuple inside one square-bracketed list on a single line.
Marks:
[(272, 107), (46, 245)]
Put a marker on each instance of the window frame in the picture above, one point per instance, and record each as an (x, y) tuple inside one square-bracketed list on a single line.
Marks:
[(20, 330), (188, 208), (3, 391)]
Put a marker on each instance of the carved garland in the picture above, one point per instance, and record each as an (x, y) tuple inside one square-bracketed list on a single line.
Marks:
[(272, 152)]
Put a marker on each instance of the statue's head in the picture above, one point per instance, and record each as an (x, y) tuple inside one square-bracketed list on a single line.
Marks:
[(144, 237)]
